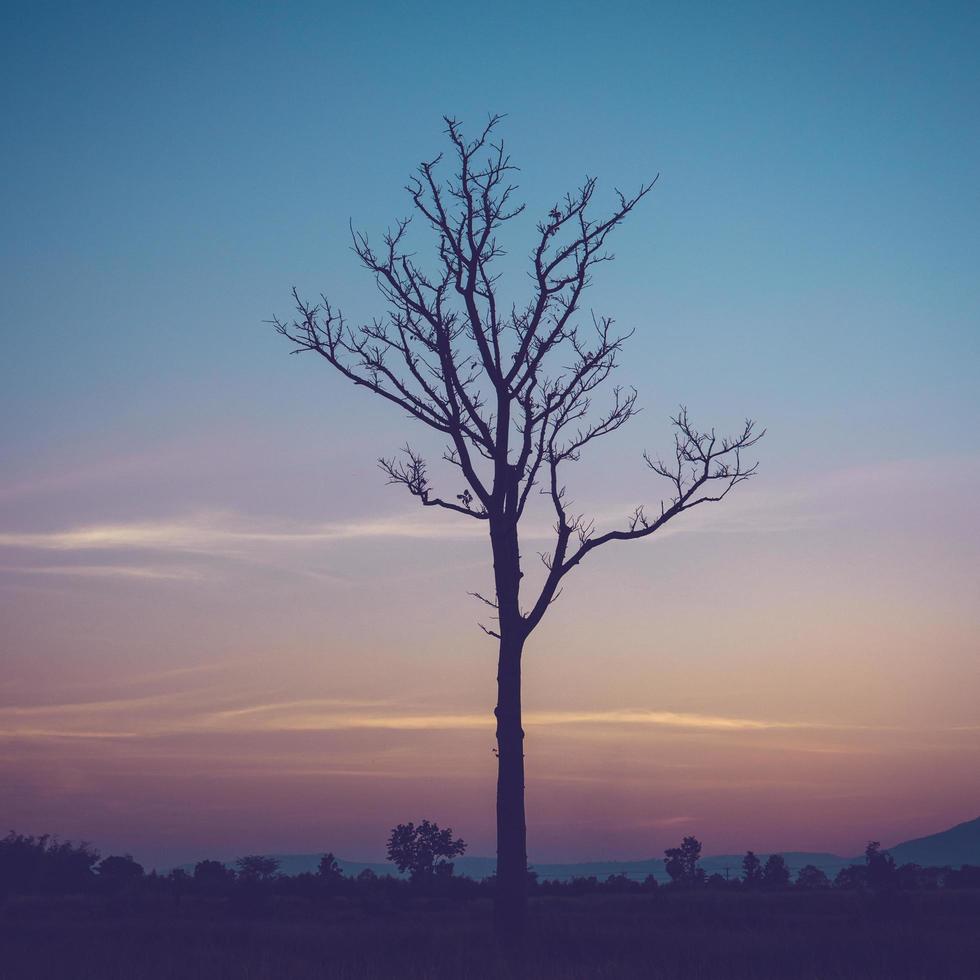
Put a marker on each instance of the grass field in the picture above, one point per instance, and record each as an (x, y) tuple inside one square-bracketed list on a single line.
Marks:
[(823, 936)]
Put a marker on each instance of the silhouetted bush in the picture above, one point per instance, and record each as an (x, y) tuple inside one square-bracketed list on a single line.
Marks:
[(44, 865), (853, 877), (122, 869), (966, 877), (812, 878), (213, 878), (621, 884)]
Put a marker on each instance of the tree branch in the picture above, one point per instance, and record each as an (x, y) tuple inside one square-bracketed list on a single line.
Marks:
[(411, 473)]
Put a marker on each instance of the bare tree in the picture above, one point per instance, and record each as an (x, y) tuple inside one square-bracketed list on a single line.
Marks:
[(511, 391)]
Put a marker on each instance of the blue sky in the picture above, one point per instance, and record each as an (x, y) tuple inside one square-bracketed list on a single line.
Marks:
[(173, 169), (808, 256)]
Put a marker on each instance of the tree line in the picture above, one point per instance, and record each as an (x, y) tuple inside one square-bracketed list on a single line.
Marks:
[(878, 873), (45, 866)]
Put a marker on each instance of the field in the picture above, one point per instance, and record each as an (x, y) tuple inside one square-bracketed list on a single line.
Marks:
[(668, 935)]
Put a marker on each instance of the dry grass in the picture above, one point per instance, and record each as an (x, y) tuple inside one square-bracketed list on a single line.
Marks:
[(666, 936)]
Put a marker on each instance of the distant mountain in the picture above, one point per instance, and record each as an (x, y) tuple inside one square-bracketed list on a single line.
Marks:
[(954, 847)]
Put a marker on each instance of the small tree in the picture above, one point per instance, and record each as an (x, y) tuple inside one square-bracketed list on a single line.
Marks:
[(257, 867), (682, 862), (213, 877), (328, 869), (510, 386), (881, 868), (852, 877), (811, 878), (775, 874), (216, 871), (913, 877), (423, 851), (119, 868), (751, 870)]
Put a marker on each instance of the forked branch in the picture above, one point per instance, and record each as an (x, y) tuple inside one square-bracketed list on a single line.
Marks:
[(410, 472), (704, 469)]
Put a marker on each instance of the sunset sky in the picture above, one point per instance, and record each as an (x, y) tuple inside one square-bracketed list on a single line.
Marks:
[(221, 633)]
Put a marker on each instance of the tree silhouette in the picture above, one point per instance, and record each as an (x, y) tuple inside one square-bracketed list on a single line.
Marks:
[(44, 864), (881, 868), (852, 876), (510, 388), (424, 851), (775, 874), (212, 877), (328, 869), (257, 867), (751, 870), (119, 868), (681, 862), (209, 870), (811, 877)]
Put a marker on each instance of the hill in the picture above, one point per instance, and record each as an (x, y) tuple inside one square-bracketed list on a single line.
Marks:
[(956, 846)]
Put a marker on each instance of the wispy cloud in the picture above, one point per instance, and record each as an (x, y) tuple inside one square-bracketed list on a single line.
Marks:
[(322, 704), (757, 510), (229, 534), (176, 704), (663, 719), (108, 571), (195, 712)]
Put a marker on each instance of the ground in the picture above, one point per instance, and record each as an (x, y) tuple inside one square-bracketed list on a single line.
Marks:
[(660, 936)]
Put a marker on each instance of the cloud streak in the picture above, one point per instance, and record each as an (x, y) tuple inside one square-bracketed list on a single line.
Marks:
[(194, 712), (224, 534), (239, 537), (107, 571), (228, 533)]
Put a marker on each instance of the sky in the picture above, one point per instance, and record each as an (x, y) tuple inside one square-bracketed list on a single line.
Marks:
[(222, 633)]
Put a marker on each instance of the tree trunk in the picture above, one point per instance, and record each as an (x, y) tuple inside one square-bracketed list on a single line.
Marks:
[(510, 898)]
